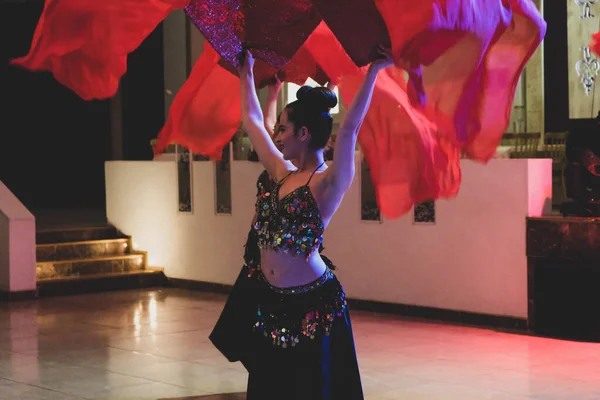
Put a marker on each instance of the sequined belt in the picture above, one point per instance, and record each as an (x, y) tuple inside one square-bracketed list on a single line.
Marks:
[(327, 275), (287, 320)]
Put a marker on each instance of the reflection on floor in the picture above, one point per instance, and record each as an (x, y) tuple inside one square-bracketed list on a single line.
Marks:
[(152, 344)]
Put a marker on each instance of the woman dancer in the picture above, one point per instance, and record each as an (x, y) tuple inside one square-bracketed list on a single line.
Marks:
[(301, 345), (224, 335)]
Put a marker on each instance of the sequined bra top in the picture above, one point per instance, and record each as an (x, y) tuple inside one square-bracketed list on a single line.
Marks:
[(293, 224)]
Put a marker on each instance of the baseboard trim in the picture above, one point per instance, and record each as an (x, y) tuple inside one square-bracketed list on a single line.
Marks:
[(405, 310), (443, 315), (97, 284), (19, 296)]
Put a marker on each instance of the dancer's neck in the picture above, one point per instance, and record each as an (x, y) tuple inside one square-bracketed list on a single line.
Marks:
[(310, 161)]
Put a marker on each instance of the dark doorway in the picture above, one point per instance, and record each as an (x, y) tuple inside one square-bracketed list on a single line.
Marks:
[(54, 144)]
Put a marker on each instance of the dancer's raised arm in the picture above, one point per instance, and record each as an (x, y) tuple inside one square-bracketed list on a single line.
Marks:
[(341, 173), (253, 123)]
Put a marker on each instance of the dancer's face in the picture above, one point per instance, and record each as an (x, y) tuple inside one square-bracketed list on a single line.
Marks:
[(290, 140)]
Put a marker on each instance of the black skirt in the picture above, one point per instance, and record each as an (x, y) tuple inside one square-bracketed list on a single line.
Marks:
[(296, 343)]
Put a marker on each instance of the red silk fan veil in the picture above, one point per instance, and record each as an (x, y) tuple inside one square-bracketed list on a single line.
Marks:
[(458, 65), (85, 43)]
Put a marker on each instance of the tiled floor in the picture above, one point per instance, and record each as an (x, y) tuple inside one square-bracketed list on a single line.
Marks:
[(153, 344)]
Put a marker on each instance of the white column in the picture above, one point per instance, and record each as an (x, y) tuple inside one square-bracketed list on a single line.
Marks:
[(175, 55), (534, 87), (17, 244)]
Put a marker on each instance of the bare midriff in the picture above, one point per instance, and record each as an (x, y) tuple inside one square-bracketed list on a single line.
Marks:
[(284, 270)]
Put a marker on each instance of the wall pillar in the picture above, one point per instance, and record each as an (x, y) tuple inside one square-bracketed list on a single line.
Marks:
[(175, 55), (534, 87)]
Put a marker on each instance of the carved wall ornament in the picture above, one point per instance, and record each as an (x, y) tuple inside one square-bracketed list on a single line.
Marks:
[(586, 8), (587, 69)]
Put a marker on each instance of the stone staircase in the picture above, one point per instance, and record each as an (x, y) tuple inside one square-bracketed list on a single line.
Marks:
[(83, 260)]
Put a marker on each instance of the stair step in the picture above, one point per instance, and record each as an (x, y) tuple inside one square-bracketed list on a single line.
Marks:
[(93, 283), (54, 236), (77, 267), (77, 250)]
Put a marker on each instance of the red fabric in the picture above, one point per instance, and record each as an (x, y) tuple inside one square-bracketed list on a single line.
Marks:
[(595, 44), (464, 59), (205, 113), (226, 24), (357, 25), (85, 43), (273, 29), (410, 160), (502, 66), (301, 67), (329, 54), (263, 72), (467, 59)]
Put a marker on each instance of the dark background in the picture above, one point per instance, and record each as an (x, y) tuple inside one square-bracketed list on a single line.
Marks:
[(53, 144)]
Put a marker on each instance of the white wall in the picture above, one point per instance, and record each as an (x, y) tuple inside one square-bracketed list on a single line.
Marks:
[(472, 259), (17, 244)]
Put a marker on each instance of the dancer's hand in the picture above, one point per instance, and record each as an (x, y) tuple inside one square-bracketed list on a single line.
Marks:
[(246, 62), (275, 85), (384, 60)]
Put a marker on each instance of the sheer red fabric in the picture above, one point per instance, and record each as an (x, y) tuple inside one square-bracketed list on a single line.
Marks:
[(85, 43), (357, 25), (467, 58), (502, 66), (205, 113), (463, 59), (301, 67), (595, 43), (410, 160)]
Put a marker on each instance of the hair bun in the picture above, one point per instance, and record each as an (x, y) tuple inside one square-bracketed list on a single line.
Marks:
[(302, 93), (321, 98)]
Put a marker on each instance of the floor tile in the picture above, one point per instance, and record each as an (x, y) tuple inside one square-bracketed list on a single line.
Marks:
[(153, 344)]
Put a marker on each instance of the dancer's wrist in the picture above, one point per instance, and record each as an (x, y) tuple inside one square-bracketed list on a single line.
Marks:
[(384, 60), (275, 86), (246, 74)]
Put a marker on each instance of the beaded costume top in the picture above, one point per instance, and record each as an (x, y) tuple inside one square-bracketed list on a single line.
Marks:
[(292, 224)]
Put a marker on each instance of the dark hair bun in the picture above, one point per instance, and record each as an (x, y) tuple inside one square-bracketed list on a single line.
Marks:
[(321, 98)]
